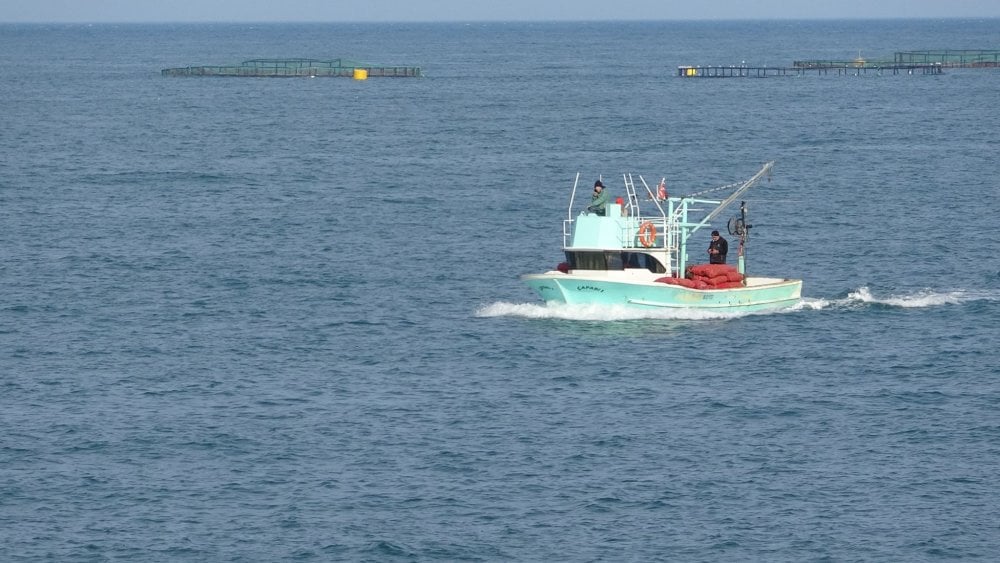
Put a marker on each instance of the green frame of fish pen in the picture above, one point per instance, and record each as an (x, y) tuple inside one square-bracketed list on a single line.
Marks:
[(294, 68)]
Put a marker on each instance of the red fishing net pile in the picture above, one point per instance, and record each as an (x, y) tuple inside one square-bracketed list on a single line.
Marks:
[(707, 276)]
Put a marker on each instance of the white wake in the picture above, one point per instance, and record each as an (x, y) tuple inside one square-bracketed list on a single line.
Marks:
[(915, 299)]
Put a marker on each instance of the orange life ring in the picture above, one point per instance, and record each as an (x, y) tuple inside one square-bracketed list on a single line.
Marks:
[(647, 234)]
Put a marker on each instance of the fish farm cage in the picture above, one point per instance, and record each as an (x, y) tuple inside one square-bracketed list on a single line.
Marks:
[(950, 57), (295, 68)]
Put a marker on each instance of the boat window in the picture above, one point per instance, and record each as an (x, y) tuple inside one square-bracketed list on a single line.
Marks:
[(640, 260), (654, 265), (586, 260), (613, 260)]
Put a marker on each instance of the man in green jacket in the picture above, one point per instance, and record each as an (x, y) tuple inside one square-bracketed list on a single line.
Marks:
[(598, 200)]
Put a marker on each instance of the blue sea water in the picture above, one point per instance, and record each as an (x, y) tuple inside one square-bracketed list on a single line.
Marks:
[(280, 319)]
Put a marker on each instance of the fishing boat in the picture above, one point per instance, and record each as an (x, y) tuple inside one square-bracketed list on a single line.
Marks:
[(639, 258)]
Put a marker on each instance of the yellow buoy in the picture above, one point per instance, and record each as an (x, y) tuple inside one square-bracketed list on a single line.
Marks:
[(361, 74)]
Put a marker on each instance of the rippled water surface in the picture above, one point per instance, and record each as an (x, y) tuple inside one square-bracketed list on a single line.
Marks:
[(272, 319)]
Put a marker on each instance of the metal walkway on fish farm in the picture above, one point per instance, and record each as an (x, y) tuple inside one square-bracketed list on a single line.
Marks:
[(903, 62), (765, 71), (295, 68)]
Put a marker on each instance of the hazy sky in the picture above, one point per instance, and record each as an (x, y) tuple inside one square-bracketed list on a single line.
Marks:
[(478, 10)]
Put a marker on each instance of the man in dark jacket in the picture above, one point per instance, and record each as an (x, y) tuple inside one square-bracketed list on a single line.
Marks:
[(717, 249)]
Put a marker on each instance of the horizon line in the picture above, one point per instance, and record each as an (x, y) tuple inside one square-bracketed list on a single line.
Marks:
[(487, 21)]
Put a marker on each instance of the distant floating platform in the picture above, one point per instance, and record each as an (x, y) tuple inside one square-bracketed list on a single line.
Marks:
[(903, 62), (742, 71), (291, 68)]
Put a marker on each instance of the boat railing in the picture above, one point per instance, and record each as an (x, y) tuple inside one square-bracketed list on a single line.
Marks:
[(568, 222), (666, 236), (653, 198)]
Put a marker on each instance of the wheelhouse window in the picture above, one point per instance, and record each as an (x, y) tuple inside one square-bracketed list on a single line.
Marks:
[(612, 260), (587, 260)]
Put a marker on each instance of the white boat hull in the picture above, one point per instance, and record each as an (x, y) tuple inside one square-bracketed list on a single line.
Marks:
[(624, 288)]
